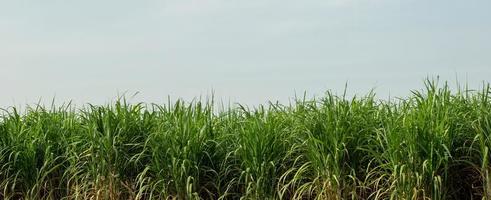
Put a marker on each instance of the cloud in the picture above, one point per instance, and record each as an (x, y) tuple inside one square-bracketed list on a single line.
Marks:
[(186, 7), (345, 3), (207, 7)]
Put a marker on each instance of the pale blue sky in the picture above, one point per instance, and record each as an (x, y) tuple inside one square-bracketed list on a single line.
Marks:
[(247, 51)]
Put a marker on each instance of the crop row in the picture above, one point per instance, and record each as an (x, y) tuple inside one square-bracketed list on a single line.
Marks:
[(433, 144)]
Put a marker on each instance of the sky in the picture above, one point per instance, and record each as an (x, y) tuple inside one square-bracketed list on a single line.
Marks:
[(248, 51)]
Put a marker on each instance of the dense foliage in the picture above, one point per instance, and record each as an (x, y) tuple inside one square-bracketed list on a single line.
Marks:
[(431, 145)]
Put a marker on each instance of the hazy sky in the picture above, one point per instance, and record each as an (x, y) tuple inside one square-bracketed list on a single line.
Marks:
[(248, 51)]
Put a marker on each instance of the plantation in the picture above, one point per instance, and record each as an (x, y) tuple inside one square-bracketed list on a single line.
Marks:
[(433, 144)]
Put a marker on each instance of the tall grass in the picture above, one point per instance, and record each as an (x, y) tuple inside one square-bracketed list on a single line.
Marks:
[(433, 144)]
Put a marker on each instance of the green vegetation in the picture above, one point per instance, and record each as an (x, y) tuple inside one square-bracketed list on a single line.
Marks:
[(432, 145)]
